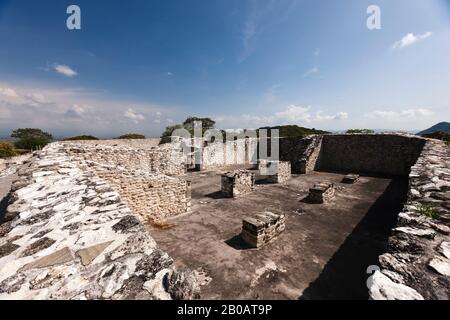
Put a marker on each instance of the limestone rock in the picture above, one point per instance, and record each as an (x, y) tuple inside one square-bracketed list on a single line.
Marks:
[(440, 265), (383, 288), (183, 285), (444, 249)]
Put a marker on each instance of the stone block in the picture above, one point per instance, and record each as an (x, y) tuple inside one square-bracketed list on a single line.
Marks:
[(278, 171), (262, 228), (351, 178), (321, 192), (238, 183)]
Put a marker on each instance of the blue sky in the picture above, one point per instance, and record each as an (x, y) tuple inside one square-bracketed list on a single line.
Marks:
[(138, 66)]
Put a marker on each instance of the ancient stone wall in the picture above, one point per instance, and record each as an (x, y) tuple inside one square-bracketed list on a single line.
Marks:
[(237, 183), (68, 235), (391, 154), (154, 197), (219, 154), (300, 152), (165, 159), (417, 262)]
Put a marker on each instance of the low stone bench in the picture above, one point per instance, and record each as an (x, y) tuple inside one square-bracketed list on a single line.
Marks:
[(277, 171), (238, 183), (321, 193), (262, 228), (351, 178)]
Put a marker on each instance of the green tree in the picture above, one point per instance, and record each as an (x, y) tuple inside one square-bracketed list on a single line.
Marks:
[(31, 138), (207, 123), (7, 150), (131, 136), (444, 136), (188, 124), (82, 137), (366, 131)]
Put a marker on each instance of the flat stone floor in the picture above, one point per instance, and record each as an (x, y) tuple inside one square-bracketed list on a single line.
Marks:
[(323, 254)]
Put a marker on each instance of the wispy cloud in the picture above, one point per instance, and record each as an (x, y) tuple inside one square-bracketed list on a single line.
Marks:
[(399, 115), (263, 15), (133, 115), (65, 70), (410, 39), (312, 71), (76, 111), (292, 114)]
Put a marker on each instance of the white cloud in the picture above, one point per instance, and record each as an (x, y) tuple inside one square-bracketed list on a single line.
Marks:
[(65, 70), (295, 113), (292, 114), (399, 115), (68, 111), (8, 92), (133, 115), (410, 39), (310, 72), (338, 116)]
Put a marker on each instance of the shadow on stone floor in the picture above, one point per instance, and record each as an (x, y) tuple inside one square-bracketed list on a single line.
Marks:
[(238, 243), (344, 276), (217, 195)]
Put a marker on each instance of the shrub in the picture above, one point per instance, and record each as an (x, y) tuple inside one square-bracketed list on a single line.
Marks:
[(427, 210), (83, 137), (352, 131), (31, 138), (440, 135), (132, 136), (7, 150)]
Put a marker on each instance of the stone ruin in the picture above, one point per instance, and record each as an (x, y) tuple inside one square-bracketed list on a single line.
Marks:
[(68, 233), (75, 225), (350, 178), (276, 171), (321, 193), (260, 229), (238, 183)]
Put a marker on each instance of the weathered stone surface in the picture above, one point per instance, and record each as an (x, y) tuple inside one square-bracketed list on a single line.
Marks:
[(37, 246), (7, 248), (59, 257), (351, 178), (444, 249), (440, 265), (277, 171), (425, 233), (183, 285), (422, 231), (125, 224), (383, 288), (5, 229), (238, 183), (70, 236), (87, 255), (321, 193), (262, 228)]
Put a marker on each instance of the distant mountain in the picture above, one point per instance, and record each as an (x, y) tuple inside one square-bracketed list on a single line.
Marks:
[(442, 127)]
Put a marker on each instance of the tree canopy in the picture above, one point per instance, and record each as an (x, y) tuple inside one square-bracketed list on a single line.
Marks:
[(31, 138), (131, 136)]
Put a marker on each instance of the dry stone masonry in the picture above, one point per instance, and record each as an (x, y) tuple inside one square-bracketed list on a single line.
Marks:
[(68, 235), (321, 193), (276, 171), (237, 183), (417, 262), (350, 178), (262, 228)]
